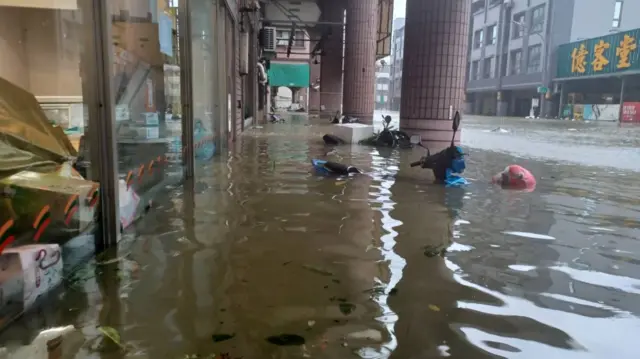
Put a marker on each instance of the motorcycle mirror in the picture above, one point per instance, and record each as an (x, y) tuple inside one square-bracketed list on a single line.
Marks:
[(415, 140), (456, 121), (387, 119)]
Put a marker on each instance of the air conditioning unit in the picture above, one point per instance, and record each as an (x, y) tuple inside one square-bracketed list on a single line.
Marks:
[(269, 39)]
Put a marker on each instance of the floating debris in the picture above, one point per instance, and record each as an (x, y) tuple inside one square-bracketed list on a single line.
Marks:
[(368, 334), (317, 270), (434, 307), (530, 235), (286, 339), (347, 308), (222, 337), (112, 334)]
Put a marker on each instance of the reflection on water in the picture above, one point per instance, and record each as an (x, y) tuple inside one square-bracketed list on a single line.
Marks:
[(261, 258)]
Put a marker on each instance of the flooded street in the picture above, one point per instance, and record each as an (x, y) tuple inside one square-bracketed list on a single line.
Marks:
[(260, 257)]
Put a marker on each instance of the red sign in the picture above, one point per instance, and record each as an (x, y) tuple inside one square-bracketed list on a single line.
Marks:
[(631, 112)]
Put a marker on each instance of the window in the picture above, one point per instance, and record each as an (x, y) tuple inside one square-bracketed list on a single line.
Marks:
[(617, 14), (492, 35), (517, 26), (475, 65), (488, 68), (516, 62), (282, 36), (477, 38), (535, 56), (299, 40), (537, 19), (477, 6)]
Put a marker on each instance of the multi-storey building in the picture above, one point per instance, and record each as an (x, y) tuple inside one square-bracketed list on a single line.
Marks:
[(290, 69), (397, 52), (383, 80), (513, 44)]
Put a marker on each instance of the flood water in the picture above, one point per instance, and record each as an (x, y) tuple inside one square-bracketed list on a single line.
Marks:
[(259, 252)]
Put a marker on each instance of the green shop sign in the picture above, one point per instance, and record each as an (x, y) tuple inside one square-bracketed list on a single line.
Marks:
[(601, 55)]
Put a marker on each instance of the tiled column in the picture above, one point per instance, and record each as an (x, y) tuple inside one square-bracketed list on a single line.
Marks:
[(360, 59), (331, 62), (433, 73)]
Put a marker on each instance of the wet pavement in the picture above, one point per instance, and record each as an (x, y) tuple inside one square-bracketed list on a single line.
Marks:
[(261, 258)]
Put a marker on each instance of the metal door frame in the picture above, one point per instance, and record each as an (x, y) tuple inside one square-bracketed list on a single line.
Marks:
[(101, 130), (186, 88)]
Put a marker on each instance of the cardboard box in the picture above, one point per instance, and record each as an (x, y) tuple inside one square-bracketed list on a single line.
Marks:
[(141, 39)]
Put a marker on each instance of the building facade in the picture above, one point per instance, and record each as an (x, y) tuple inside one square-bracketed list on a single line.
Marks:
[(597, 72), (513, 44), (289, 72), (397, 52), (383, 82)]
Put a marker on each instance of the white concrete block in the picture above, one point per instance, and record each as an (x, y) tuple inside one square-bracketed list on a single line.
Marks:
[(352, 132)]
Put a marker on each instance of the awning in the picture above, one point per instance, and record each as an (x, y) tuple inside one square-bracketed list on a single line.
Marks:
[(289, 74)]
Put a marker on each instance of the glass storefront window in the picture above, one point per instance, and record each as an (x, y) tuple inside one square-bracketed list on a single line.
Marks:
[(49, 195), (205, 77), (148, 109)]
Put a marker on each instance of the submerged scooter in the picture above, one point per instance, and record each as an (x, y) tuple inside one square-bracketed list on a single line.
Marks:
[(328, 168), (339, 118), (448, 164), (389, 137)]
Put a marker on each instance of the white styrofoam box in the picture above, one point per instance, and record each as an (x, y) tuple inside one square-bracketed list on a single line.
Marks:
[(11, 287), (122, 113), (40, 269), (39, 347), (148, 119), (352, 132), (129, 201), (148, 133)]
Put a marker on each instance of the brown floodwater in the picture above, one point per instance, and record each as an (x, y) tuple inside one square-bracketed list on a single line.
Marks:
[(259, 251)]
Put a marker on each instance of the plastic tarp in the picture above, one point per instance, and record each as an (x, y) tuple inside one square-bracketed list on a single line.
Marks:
[(288, 74), (27, 138)]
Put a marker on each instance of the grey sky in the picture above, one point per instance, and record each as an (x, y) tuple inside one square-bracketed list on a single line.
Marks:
[(399, 8)]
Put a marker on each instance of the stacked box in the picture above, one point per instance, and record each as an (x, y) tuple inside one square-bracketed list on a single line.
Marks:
[(147, 126)]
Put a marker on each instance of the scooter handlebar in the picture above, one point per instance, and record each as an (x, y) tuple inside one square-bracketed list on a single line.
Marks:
[(416, 163)]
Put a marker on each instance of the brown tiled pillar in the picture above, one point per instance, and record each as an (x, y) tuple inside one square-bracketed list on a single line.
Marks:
[(433, 72), (360, 59), (331, 62)]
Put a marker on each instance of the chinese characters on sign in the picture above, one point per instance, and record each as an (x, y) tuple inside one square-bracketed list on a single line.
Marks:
[(627, 45), (600, 61), (578, 59), (606, 54)]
